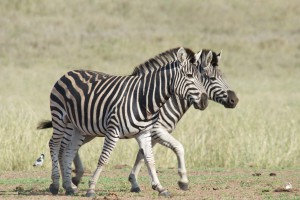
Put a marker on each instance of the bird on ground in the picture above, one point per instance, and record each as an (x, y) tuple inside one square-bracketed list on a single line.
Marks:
[(288, 186), (39, 161)]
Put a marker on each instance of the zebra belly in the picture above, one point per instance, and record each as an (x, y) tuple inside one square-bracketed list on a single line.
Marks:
[(133, 134)]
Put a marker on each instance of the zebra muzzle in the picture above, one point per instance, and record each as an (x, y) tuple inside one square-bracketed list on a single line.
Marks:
[(232, 100), (203, 103)]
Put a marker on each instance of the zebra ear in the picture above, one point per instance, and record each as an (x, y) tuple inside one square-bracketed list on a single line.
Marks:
[(198, 56), (208, 58), (181, 54), (219, 56)]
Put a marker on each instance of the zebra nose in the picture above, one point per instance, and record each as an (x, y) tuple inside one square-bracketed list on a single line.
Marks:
[(204, 97), (232, 99), (203, 101)]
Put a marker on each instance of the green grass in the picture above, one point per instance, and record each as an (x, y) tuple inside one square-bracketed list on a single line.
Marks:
[(40, 41)]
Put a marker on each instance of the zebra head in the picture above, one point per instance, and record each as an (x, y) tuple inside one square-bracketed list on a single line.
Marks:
[(213, 80), (188, 84)]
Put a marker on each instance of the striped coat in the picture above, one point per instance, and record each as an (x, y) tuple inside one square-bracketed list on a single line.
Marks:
[(88, 103)]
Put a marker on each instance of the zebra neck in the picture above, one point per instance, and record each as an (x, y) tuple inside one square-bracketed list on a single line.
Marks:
[(180, 105), (172, 112), (156, 90)]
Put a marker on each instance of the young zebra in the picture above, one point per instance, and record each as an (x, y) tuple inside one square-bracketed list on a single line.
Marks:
[(171, 113), (116, 107)]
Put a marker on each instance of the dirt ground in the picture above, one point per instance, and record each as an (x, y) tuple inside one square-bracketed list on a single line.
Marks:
[(204, 184)]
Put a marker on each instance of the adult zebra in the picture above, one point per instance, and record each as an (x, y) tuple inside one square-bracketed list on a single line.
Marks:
[(90, 103), (170, 114)]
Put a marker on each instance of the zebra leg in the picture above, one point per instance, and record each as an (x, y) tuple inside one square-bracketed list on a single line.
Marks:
[(133, 176), (54, 145), (65, 141), (135, 171), (164, 138), (79, 169), (68, 157), (108, 146), (145, 145)]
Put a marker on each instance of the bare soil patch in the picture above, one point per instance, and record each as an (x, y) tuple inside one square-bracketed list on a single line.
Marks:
[(204, 184)]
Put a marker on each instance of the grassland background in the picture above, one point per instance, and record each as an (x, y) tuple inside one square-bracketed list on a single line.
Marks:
[(41, 40)]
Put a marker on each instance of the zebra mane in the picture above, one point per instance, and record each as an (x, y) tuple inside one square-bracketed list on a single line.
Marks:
[(161, 60)]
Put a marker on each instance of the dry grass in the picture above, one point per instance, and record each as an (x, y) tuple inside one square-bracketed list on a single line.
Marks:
[(39, 41)]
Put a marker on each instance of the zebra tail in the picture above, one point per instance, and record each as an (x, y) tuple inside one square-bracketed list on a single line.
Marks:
[(44, 124)]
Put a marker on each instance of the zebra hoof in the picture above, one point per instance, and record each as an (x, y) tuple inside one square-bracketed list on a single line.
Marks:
[(136, 190), (164, 193), (70, 192), (75, 188), (90, 193), (53, 189), (75, 181), (183, 186)]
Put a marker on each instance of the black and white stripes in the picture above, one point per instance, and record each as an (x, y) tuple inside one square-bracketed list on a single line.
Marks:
[(85, 103), (172, 111)]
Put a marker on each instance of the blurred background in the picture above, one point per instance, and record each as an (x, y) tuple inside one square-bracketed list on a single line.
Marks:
[(260, 40)]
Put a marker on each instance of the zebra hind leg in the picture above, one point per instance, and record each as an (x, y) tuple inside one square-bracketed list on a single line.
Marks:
[(79, 169), (54, 186), (66, 140), (68, 156), (54, 145)]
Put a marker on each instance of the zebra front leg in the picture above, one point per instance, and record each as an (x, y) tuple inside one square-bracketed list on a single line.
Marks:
[(79, 169), (144, 140), (68, 157), (164, 138), (135, 171), (108, 146), (133, 176)]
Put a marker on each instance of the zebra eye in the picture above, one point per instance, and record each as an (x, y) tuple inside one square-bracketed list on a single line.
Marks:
[(190, 76)]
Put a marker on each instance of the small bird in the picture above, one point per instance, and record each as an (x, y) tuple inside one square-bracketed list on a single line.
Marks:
[(288, 186), (39, 161)]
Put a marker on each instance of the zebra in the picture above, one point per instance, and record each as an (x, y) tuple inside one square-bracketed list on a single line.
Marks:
[(117, 107), (217, 89), (169, 115)]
